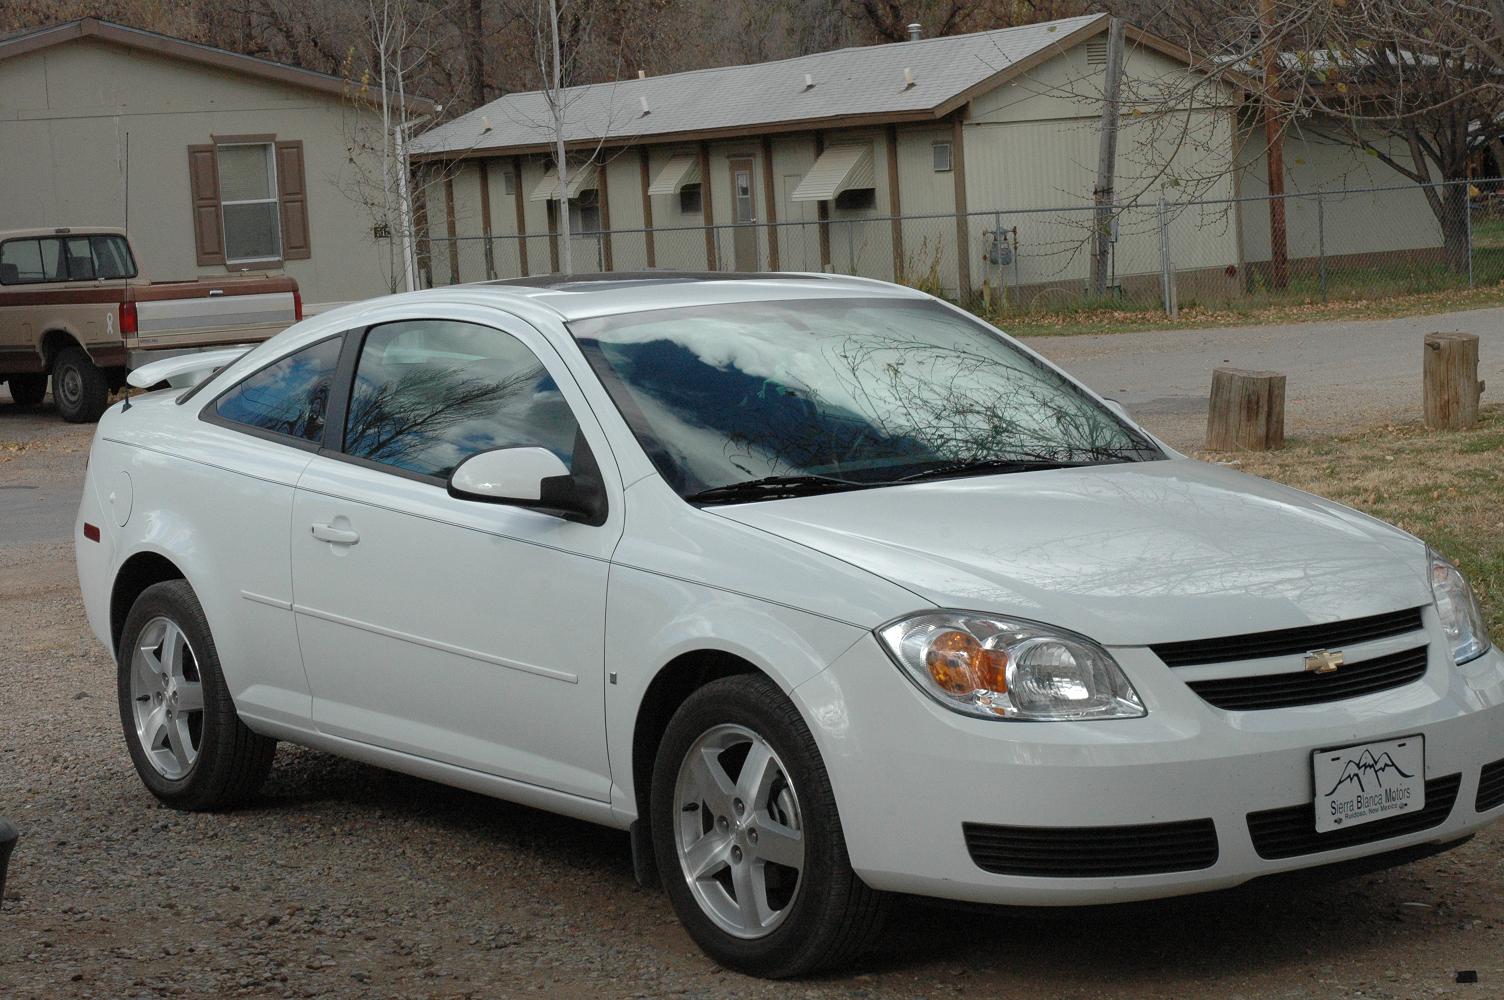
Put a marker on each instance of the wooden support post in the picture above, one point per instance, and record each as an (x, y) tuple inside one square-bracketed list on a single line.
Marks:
[(1247, 411), (485, 218), (1451, 376), (553, 236), (1107, 151), (770, 203), (454, 242), (895, 202), (647, 209), (521, 208), (707, 209), (605, 207), (963, 233), (822, 211)]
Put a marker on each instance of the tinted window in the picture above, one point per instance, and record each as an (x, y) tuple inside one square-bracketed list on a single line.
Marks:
[(430, 393), (72, 258), (289, 397)]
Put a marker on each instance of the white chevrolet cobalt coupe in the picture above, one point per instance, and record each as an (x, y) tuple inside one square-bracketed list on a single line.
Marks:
[(819, 586)]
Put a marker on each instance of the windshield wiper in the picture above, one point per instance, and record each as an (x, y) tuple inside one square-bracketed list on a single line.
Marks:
[(771, 487), (992, 467)]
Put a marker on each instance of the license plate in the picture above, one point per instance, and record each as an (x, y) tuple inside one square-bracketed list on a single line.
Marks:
[(1368, 782)]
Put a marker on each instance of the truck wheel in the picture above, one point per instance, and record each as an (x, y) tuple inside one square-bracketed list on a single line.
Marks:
[(27, 390), (79, 387)]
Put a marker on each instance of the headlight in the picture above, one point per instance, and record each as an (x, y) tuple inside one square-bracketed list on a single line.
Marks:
[(1461, 617), (1003, 668)]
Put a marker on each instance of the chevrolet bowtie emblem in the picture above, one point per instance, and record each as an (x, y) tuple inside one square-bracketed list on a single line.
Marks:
[(1324, 661)]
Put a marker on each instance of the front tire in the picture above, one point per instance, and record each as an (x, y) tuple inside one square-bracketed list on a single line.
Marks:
[(28, 390), (188, 745), (748, 839), (79, 387)]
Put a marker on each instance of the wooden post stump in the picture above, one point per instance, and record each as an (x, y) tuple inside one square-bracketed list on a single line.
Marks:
[(1247, 411), (1451, 378)]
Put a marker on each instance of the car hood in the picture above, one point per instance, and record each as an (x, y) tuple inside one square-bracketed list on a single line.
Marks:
[(1129, 554)]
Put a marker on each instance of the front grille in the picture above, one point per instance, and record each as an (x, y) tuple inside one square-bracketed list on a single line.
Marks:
[(1288, 642), (1291, 832), (1302, 687), (1491, 786), (1092, 851)]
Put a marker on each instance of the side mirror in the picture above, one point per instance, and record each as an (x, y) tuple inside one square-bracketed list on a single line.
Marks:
[(529, 477)]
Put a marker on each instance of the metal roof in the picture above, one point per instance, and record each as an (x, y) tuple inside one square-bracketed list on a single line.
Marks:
[(867, 82)]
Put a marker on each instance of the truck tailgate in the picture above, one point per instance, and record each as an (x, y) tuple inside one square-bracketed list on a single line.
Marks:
[(200, 314)]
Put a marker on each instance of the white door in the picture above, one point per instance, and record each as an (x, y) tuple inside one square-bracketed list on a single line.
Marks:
[(461, 631)]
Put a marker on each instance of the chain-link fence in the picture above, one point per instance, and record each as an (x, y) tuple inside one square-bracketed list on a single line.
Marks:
[(1147, 256)]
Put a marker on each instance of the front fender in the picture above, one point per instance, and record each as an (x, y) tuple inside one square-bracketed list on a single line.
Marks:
[(652, 620)]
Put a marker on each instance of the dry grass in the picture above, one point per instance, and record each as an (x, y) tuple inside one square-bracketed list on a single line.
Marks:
[(1447, 488), (1076, 323)]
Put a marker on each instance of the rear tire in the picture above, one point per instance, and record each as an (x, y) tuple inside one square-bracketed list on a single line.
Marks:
[(28, 390), (79, 387), (188, 744), (755, 865)]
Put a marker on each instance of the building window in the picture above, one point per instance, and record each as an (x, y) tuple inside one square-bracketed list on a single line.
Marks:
[(248, 202), (585, 212), (856, 199), (509, 183), (689, 199), (941, 152)]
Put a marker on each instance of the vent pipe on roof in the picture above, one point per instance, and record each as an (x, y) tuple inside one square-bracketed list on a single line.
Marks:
[(645, 109), (916, 31), (908, 78), (642, 74), (809, 82)]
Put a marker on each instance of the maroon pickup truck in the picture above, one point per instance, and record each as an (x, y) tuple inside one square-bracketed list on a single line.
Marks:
[(73, 307)]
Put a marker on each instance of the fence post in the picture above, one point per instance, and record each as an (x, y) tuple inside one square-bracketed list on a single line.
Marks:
[(1321, 241), (850, 246), (1467, 210), (1164, 255)]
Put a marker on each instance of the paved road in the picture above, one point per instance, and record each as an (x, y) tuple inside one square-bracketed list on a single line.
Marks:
[(41, 474), (1341, 374)]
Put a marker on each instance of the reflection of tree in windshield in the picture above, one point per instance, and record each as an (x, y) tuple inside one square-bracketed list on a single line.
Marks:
[(965, 405), (397, 421)]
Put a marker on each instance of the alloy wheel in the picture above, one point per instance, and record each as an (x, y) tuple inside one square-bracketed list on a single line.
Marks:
[(739, 835), (167, 698)]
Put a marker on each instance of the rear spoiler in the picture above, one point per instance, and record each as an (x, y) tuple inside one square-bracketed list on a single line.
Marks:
[(184, 370)]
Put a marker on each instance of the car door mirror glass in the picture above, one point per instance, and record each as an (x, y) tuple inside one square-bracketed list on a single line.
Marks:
[(507, 475)]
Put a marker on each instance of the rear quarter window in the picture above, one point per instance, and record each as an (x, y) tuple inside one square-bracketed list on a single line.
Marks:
[(288, 398)]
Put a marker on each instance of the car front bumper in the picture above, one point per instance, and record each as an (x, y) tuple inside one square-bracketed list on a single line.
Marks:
[(909, 774)]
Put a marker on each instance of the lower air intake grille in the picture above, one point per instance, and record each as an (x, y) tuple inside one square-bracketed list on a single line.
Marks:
[(1301, 687), (1291, 832), (1491, 786), (1093, 851)]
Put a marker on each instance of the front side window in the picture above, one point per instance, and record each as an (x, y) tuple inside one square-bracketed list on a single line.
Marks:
[(430, 393), (248, 200), (290, 397), (857, 391)]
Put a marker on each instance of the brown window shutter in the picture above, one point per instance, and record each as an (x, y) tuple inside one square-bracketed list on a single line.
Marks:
[(203, 181), (292, 196)]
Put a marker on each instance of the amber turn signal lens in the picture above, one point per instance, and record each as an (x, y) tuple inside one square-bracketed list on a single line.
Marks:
[(960, 665)]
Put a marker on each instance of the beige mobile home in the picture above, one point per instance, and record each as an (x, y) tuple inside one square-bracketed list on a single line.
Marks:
[(216, 162), (964, 162)]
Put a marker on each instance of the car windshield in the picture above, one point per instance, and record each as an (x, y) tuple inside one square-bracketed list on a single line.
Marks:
[(792, 396)]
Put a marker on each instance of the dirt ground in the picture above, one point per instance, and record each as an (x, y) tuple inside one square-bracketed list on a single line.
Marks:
[(347, 881)]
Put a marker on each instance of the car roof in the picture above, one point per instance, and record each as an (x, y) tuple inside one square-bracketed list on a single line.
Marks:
[(581, 296), (12, 234)]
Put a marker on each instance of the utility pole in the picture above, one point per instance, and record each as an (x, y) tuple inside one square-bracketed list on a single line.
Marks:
[(1107, 151), (1274, 139)]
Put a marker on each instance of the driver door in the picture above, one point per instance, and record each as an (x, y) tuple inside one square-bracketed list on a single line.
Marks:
[(460, 631)]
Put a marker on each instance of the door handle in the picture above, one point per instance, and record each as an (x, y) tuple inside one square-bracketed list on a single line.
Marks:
[(337, 536)]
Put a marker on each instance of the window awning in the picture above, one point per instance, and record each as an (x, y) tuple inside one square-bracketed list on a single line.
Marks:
[(677, 172), (581, 178), (839, 168)]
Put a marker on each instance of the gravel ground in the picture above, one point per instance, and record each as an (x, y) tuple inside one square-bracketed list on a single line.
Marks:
[(347, 881)]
